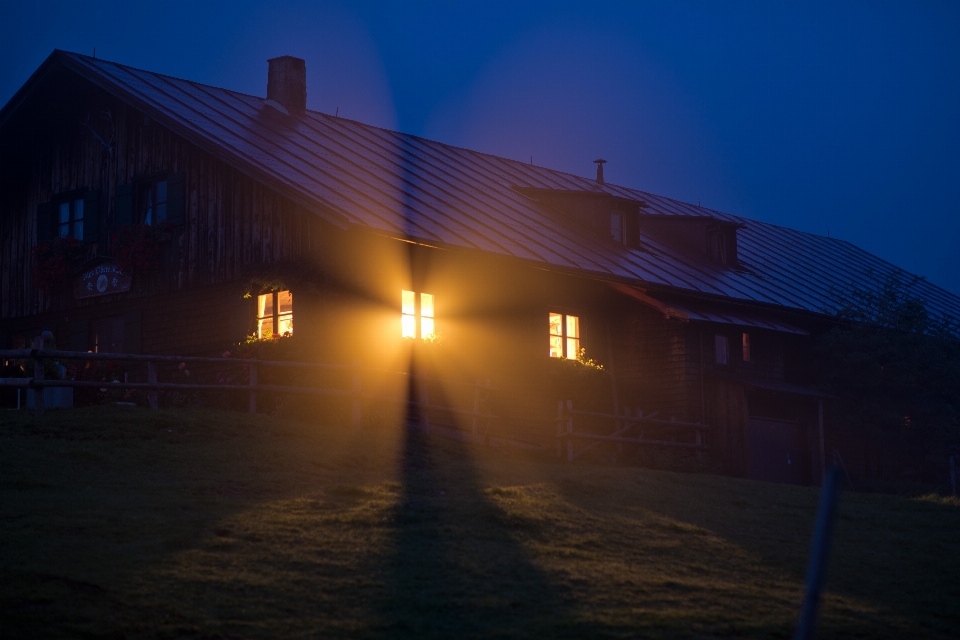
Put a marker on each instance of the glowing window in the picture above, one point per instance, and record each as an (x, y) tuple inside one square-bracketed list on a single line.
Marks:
[(616, 227), (721, 349), (746, 347), (564, 336), (274, 315), (411, 312)]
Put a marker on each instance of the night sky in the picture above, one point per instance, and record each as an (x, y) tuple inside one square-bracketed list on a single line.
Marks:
[(834, 117)]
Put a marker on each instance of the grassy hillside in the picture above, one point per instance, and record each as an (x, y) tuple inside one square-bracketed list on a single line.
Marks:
[(121, 522)]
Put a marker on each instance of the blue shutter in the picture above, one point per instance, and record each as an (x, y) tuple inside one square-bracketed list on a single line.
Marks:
[(175, 199), (91, 216), (123, 205), (44, 221)]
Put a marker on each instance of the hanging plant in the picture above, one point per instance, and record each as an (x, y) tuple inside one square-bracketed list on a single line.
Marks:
[(138, 246), (54, 261), (280, 276)]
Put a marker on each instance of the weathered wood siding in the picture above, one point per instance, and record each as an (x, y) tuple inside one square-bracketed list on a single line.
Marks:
[(231, 221)]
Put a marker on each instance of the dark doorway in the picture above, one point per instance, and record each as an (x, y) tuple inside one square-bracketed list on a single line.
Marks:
[(778, 451)]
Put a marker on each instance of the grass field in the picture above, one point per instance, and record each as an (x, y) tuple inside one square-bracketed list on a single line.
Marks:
[(122, 522)]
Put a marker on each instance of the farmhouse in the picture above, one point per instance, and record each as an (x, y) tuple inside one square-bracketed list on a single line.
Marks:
[(142, 213)]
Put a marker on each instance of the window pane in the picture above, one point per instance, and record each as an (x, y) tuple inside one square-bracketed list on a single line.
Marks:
[(408, 326), (64, 230), (161, 191), (556, 347), (426, 327), (265, 328), (161, 212), (721, 349), (64, 212), (407, 302), (285, 301), (265, 306), (555, 325), (616, 227), (426, 305), (746, 347), (573, 327), (78, 229), (573, 348), (285, 324), (78, 209)]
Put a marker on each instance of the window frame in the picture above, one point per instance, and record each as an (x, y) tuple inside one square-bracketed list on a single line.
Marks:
[(147, 188), (620, 229), (419, 319), (276, 315), (565, 338), (718, 340)]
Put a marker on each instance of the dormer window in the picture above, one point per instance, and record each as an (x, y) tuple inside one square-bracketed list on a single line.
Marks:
[(717, 245), (616, 228)]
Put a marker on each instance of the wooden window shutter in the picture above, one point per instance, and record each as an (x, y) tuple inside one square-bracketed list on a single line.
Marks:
[(175, 199), (132, 337), (44, 221), (91, 216), (123, 205), (79, 331)]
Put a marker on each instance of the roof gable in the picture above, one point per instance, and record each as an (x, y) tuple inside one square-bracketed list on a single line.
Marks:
[(405, 186)]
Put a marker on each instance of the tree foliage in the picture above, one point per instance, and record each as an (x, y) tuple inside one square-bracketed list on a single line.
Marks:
[(893, 366)]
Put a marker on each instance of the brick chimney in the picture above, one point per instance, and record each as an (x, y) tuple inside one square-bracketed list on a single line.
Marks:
[(287, 83)]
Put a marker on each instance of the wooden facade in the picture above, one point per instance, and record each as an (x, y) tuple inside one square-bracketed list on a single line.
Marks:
[(229, 225)]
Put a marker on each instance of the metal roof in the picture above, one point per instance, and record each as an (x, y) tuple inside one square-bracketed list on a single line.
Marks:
[(397, 184)]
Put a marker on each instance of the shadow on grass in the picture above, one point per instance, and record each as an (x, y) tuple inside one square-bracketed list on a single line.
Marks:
[(456, 568)]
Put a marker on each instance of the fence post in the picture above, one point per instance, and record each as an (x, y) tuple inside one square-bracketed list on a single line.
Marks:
[(424, 402), (253, 387), (569, 430), (355, 406), (953, 475), (152, 396), (38, 376), (560, 429)]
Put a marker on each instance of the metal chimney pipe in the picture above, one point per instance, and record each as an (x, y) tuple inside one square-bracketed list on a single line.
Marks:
[(600, 162)]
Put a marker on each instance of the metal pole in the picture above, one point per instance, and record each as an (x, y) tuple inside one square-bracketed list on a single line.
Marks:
[(823, 463), (819, 555)]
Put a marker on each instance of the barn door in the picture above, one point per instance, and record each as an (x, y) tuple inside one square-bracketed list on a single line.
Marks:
[(777, 451)]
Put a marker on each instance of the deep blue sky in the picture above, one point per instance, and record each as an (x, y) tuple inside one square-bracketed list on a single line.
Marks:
[(839, 117)]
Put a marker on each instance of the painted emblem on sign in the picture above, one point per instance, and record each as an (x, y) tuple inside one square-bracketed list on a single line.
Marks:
[(102, 279)]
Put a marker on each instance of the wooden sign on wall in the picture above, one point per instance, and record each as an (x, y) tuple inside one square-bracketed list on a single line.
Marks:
[(101, 280)]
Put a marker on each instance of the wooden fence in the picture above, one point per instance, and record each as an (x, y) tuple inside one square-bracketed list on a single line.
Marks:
[(482, 421), (622, 424), (354, 394)]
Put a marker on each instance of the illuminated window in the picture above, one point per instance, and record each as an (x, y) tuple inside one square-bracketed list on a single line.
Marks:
[(721, 349), (616, 227), (274, 314), (564, 336), (70, 220), (746, 347), (411, 312)]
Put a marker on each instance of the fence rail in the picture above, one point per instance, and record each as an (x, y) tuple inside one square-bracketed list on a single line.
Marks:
[(418, 398), (355, 392), (567, 436)]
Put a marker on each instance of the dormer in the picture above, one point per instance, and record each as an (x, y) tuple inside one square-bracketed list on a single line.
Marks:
[(706, 236), (609, 216)]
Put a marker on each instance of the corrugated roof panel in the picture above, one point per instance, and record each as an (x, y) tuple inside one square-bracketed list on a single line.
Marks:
[(406, 185)]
